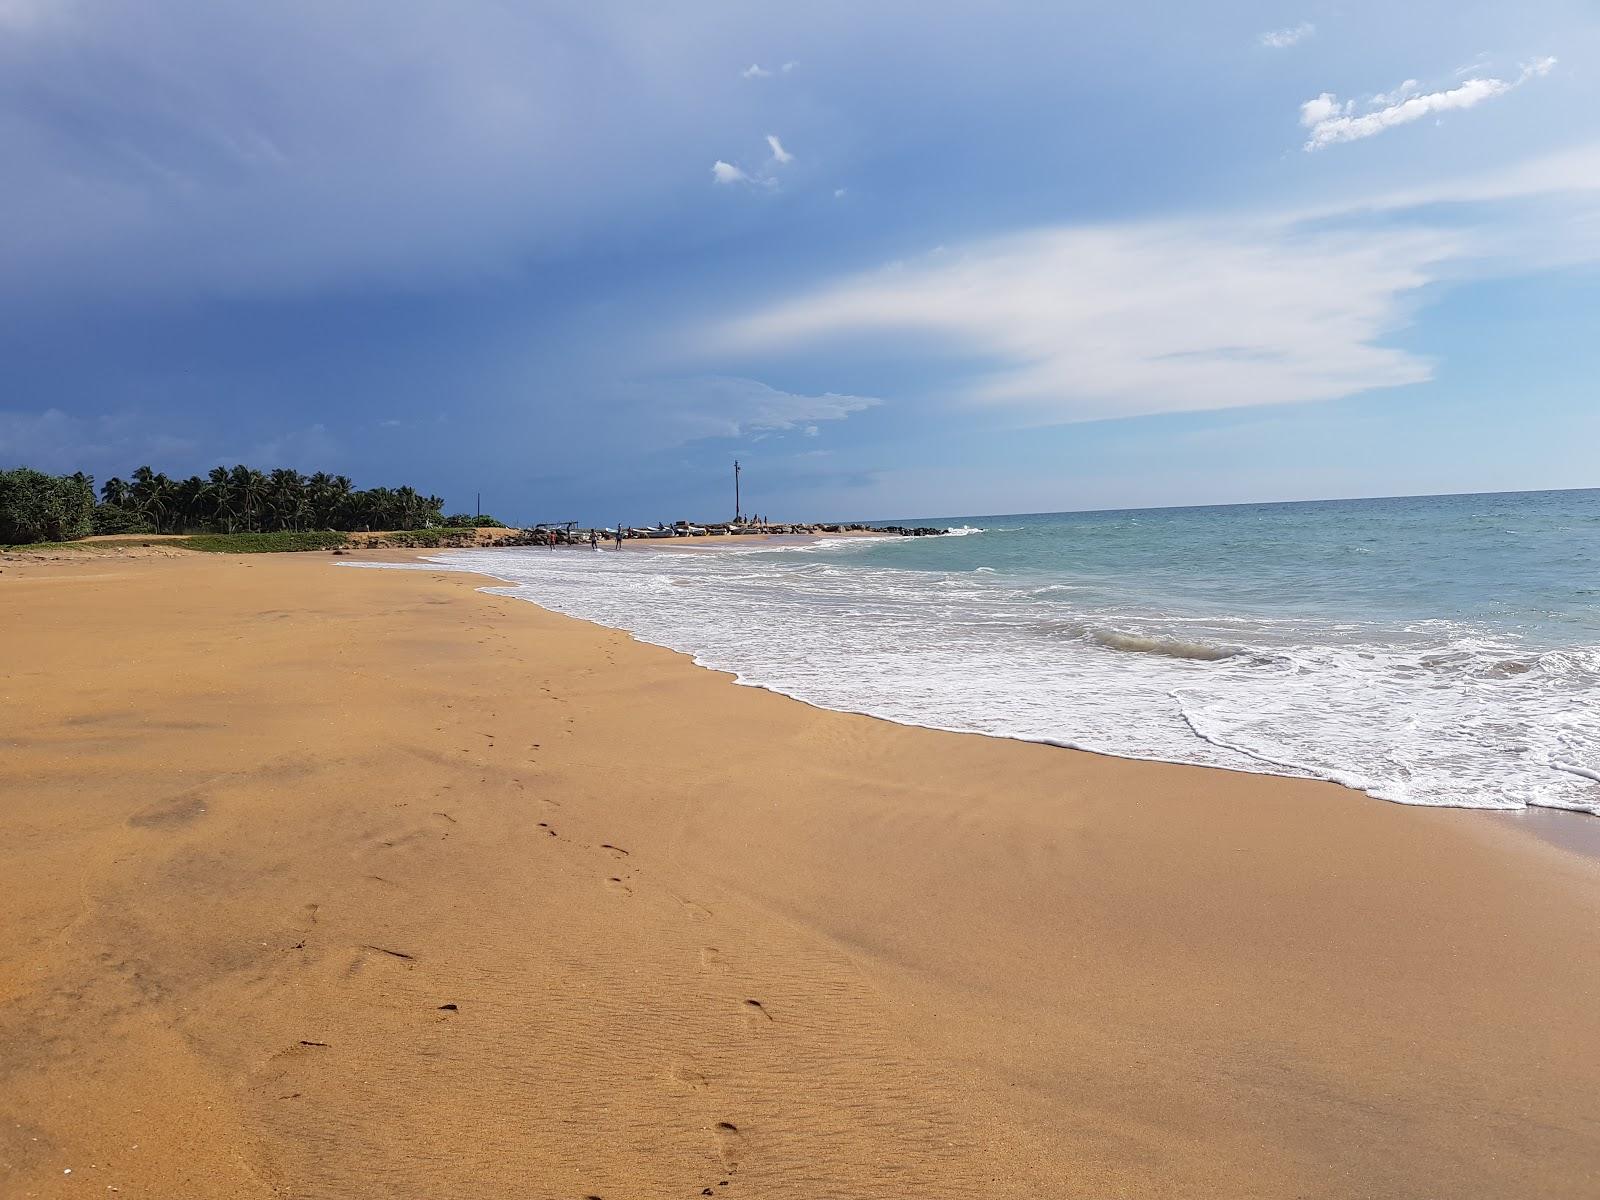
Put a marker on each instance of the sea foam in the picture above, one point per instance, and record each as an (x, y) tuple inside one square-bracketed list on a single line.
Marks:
[(1232, 647)]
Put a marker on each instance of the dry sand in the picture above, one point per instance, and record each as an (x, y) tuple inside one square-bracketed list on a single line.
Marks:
[(342, 883)]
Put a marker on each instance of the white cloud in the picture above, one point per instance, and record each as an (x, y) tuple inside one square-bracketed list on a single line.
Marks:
[(838, 193), (1331, 122), (726, 172), (1080, 324), (1321, 110), (1571, 172), (1405, 91), (1063, 324), (789, 66), (756, 71), (1282, 39)]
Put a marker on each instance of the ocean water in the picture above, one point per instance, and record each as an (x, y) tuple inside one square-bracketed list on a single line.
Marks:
[(1440, 650)]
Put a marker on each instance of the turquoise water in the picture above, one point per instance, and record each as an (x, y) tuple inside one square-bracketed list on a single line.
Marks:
[(1438, 650), (1525, 563)]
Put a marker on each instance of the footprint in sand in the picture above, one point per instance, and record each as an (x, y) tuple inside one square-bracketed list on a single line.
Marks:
[(696, 911), (616, 884), (711, 959), (402, 840), (690, 1077), (757, 1012), (730, 1144)]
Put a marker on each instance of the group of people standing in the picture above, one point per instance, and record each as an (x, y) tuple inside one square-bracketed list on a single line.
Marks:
[(594, 538)]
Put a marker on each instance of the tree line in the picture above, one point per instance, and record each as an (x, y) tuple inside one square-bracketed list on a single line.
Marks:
[(35, 507)]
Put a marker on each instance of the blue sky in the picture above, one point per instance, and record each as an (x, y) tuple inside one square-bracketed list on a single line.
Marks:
[(899, 258)]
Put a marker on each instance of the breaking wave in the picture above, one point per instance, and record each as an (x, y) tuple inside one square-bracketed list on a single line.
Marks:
[(1378, 680)]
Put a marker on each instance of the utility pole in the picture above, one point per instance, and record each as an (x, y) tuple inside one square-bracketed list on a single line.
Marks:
[(480, 506), (738, 514)]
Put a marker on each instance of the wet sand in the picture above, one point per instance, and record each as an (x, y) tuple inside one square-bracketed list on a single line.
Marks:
[(342, 883)]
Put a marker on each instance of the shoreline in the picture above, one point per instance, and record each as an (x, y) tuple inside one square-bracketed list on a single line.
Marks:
[(1573, 830), (356, 883)]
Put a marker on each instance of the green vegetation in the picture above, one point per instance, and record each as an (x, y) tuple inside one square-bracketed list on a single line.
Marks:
[(468, 521), (211, 543), (113, 519), (243, 500), (52, 547), (259, 543), (35, 507)]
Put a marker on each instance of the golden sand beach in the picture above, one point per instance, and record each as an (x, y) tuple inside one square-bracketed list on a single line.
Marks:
[(320, 882)]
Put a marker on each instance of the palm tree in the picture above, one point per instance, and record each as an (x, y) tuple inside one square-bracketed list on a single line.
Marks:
[(219, 500), (149, 494), (319, 499), (242, 498), (342, 508), (249, 489), (185, 504), (285, 499)]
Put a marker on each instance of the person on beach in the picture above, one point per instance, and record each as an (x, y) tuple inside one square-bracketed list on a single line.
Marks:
[(594, 539), (552, 539), (619, 535)]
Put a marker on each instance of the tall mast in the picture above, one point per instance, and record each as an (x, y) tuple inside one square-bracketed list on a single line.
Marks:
[(737, 511)]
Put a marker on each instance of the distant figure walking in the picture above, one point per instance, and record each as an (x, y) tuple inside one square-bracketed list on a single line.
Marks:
[(594, 539), (619, 535), (552, 539)]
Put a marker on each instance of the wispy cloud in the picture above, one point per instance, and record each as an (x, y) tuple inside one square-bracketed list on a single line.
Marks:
[(1400, 94), (731, 407), (1282, 39), (1330, 121), (729, 173), (1066, 324), (1087, 324), (756, 71)]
